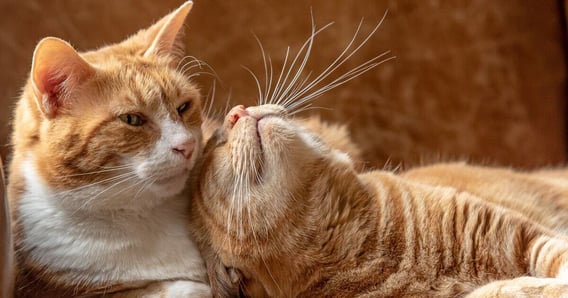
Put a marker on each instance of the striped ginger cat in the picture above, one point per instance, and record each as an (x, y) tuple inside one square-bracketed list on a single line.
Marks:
[(290, 217), (103, 145)]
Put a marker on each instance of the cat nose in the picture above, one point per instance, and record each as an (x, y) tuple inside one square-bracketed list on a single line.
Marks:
[(185, 148), (235, 114)]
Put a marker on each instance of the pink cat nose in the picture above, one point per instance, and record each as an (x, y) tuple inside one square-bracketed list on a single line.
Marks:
[(186, 148), (235, 114)]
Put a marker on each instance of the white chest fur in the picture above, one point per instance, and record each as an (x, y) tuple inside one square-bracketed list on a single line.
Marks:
[(142, 245)]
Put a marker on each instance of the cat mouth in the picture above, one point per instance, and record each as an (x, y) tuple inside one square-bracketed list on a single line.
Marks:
[(248, 149), (254, 137)]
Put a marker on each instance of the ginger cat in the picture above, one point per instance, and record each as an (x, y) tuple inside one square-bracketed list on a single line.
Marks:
[(104, 142), (290, 217)]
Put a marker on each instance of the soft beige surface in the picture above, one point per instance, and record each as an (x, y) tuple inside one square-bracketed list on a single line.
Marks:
[(483, 79)]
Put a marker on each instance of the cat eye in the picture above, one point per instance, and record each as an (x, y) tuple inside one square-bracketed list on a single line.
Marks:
[(183, 107), (131, 119)]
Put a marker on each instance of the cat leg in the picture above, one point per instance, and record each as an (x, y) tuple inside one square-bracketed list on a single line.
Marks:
[(526, 286), (548, 257), (168, 289)]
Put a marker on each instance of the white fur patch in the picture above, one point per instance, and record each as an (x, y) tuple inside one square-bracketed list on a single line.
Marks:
[(184, 289), (163, 164), (134, 245)]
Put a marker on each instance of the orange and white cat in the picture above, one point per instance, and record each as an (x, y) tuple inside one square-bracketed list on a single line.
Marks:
[(291, 217), (104, 142)]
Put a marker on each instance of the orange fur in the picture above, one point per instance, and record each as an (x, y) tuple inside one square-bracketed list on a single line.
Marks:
[(76, 129), (283, 209)]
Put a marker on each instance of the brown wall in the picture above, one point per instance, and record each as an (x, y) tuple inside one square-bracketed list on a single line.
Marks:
[(483, 80)]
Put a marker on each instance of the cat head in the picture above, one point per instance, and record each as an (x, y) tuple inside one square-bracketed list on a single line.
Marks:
[(260, 191), (123, 115), (263, 170), (270, 188)]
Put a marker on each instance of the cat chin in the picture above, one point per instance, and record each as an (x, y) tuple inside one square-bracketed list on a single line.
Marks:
[(169, 186)]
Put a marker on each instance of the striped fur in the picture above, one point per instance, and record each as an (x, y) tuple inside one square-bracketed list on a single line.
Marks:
[(96, 201), (294, 218)]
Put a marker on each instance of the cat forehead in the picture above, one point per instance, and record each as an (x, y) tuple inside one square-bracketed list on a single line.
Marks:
[(151, 83)]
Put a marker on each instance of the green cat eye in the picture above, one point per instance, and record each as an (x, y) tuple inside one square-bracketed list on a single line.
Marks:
[(131, 119), (183, 107)]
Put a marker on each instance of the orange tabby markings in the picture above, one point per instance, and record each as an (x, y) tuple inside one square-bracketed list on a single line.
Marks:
[(104, 142), (295, 219)]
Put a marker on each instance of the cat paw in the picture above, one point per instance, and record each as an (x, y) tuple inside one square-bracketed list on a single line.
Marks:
[(526, 286)]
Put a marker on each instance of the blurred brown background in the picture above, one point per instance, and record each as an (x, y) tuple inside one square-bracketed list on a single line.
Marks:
[(481, 79)]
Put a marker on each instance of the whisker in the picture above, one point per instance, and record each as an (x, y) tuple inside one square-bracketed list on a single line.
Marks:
[(182, 61), (344, 56), (209, 99), (267, 82), (146, 184), (197, 74), (348, 76), (300, 85), (96, 172), (195, 63), (111, 179), (278, 84), (227, 102), (115, 167), (309, 44), (191, 65), (271, 78), (87, 202), (257, 82), (308, 107)]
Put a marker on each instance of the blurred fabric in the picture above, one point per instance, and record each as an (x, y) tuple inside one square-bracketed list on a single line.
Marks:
[(480, 80)]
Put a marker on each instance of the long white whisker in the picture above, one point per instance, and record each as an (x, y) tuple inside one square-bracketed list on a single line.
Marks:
[(307, 107), (182, 61), (111, 179), (228, 102), (257, 82), (348, 76), (209, 100), (95, 172), (267, 82), (147, 183), (113, 185), (197, 74), (309, 44), (279, 84), (300, 85), (87, 202), (191, 65), (198, 63), (340, 60)]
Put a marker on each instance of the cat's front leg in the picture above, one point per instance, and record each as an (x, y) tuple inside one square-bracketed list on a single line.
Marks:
[(169, 289), (526, 286)]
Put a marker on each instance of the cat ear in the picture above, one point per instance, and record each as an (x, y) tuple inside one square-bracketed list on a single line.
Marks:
[(166, 35), (56, 70)]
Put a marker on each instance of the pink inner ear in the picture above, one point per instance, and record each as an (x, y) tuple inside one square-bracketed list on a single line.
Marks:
[(52, 84), (51, 87), (56, 70)]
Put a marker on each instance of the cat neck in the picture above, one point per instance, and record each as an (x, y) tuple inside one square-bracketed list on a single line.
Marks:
[(103, 247), (338, 204)]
